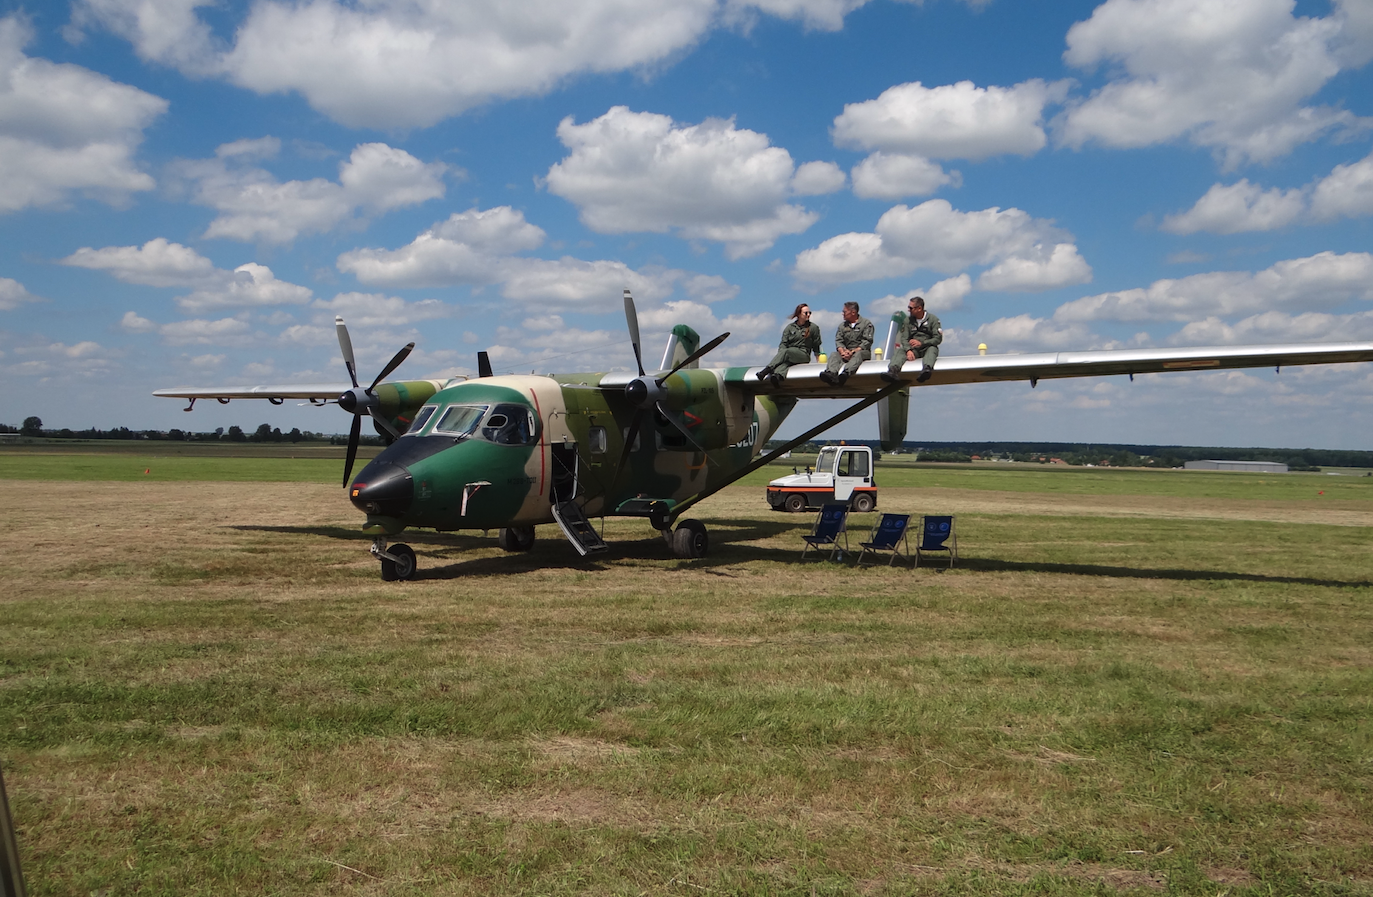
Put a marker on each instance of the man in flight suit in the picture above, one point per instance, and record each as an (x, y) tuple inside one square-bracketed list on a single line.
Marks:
[(800, 340), (920, 336), (852, 346)]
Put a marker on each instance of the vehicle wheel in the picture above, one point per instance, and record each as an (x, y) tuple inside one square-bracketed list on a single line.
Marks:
[(863, 502), (690, 540), (516, 538), (403, 567), (795, 502)]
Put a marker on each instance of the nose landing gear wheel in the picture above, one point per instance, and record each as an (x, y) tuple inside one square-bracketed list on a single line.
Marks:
[(403, 567), (515, 538)]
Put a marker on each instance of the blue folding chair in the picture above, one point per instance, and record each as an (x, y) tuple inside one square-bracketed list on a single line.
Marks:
[(937, 534), (830, 527), (888, 534)]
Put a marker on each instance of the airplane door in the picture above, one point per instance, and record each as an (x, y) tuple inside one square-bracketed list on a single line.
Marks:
[(851, 471), (564, 472)]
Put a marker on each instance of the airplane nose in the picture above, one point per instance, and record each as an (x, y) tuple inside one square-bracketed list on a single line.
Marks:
[(383, 490)]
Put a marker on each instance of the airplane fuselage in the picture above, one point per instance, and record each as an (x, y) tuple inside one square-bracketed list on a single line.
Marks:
[(501, 451)]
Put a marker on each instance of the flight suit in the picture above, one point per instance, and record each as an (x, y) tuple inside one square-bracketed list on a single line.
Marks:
[(930, 336), (798, 345), (857, 335)]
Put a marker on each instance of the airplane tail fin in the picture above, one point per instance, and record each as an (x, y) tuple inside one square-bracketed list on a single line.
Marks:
[(681, 343)]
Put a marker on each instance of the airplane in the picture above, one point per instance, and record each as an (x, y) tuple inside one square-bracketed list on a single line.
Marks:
[(513, 452)]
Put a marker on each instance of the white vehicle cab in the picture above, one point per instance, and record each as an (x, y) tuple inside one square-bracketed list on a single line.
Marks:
[(842, 473)]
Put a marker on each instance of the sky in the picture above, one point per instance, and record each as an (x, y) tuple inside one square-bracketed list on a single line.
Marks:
[(191, 190)]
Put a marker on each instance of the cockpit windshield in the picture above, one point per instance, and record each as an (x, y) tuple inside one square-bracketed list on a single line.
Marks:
[(421, 419), (460, 420)]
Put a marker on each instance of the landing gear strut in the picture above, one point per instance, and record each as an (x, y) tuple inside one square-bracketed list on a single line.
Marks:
[(396, 563)]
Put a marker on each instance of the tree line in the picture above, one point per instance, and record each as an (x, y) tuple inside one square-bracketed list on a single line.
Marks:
[(33, 427)]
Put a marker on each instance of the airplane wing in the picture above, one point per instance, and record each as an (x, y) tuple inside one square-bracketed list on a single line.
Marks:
[(317, 393), (803, 380)]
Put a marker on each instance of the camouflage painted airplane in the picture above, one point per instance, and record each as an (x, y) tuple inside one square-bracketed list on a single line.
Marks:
[(512, 452)]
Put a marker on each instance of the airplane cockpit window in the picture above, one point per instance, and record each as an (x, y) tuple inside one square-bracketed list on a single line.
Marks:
[(509, 425), (421, 419), (460, 420)]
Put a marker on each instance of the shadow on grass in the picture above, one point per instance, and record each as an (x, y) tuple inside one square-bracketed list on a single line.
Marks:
[(732, 544)]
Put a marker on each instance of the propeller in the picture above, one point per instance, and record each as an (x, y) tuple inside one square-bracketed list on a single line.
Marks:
[(646, 393), (361, 401)]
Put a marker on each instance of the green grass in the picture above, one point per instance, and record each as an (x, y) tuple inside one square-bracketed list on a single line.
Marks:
[(212, 693), (177, 463)]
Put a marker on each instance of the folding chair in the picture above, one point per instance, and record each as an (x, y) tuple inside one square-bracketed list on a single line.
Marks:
[(937, 534), (830, 526), (888, 534)]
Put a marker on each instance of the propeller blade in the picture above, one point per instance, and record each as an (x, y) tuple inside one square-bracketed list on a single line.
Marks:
[(392, 364), (353, 436), (383, 423), (684, 431), (484, 365), (630, 434), (632, 319), (346, 345), (695, 355)]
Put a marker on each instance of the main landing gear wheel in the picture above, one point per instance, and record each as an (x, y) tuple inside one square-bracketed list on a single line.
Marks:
[(403, 567), (515, 538), (795, 502), (863, 503), (689, 540)]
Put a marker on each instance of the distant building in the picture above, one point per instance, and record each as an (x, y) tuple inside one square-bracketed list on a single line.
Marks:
[(1250, 466)]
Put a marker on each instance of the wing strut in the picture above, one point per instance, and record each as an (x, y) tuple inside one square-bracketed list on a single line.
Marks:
[(761, 460)]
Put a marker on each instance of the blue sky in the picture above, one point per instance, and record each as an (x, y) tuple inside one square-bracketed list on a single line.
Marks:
[(191, 190)]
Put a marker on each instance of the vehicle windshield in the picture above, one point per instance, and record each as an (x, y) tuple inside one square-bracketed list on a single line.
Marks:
[(460, 420), (826, 460), (421, 419)]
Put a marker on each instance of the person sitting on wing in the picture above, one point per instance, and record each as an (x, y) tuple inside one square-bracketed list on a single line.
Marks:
[(800, 341), (852, 346), (921, 336)]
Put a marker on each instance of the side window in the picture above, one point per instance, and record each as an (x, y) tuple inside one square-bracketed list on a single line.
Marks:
[(858, 464), (596, 440), (421, 419), (509, 425)]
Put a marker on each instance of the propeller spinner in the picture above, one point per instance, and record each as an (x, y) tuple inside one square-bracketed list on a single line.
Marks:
[(359, 401)]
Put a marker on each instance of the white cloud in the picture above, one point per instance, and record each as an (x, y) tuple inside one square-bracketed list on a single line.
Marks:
[(596, 286), (1346, 192), (816, 178), (378, 310), (897, 176), (254, 206), (639, 171), (160, 263), (1044, 269), (1277, 327), (247, 286), (157, 263), (133, 322), (1232, 76), (470, 247), (225, 331), (1026, 333), (13, 294), (66, 130), (1325, 280), (952, 121), (397, 64), (935, 236), (940, 297), (1238, 208)]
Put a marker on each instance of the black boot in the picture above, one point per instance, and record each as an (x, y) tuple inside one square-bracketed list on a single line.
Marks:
[(924, 374), (764, 373)]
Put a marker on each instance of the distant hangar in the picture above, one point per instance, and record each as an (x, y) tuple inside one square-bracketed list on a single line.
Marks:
[(1249, 466)]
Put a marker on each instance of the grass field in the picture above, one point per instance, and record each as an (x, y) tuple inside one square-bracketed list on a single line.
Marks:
[(1133, 682)]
